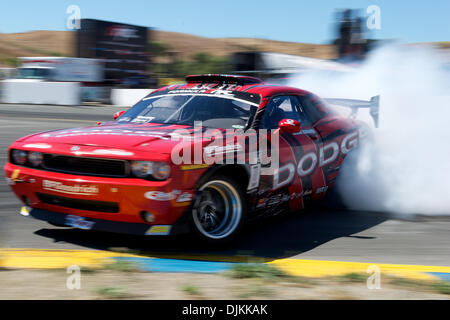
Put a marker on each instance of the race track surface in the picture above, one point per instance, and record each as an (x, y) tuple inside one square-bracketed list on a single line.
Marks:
[(322, 234)]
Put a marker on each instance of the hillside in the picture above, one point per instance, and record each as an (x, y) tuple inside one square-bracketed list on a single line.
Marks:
[(187, 44), (35, 43), (39, 43)]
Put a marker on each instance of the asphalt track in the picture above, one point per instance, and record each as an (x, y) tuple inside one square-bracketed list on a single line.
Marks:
[(320, 234)]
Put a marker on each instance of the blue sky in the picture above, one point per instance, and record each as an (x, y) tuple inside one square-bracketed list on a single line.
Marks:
[(295, 20)]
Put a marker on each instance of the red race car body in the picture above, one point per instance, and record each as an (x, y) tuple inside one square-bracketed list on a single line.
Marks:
[(140, 174)]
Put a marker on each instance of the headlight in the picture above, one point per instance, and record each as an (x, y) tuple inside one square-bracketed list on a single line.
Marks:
[(35, 158), (19, 156), (141, 169), (161, 170), (144, 169)]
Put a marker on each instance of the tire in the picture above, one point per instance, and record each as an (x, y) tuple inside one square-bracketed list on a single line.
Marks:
[(219, 210)]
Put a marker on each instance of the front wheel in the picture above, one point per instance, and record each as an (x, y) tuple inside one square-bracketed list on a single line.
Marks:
[(219, 210)]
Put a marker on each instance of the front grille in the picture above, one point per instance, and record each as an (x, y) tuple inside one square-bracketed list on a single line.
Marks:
[(91, 205), (86, 166)]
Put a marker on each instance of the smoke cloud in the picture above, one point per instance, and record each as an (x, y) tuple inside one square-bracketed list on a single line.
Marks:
[(407, 168)]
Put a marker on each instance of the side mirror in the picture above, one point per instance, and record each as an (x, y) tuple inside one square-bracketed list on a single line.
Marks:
[(118, 114), (289, 125)]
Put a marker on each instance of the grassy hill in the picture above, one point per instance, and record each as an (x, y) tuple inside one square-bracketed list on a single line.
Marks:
[(61, 43), (34, 43)]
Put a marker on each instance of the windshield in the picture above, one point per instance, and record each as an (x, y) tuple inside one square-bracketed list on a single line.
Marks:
[(213, 111), (33, 73)]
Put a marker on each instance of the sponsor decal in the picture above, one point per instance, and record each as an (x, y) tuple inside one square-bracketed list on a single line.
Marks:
[(77, 189), (322, 189), (142, 119), (113, 152), (334, 147), (185, 197), (205, 90), (274, 200), (115, 132), (311, 160), (181, 197), (162, 196), (231, 152), (15, 174), (213, 150), (187, 167), (277, 199), (14, 178), (304, 193), (79, 222), (37, 145), (261, 203), (289, 122), (349, 142), (255, 174), (160, 230), (290, 169)]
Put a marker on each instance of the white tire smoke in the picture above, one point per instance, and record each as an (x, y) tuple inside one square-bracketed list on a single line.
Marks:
[(407, 169)]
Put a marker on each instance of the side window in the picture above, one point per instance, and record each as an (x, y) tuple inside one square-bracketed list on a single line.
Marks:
[(303, 115), (312, 108), (279, 108)]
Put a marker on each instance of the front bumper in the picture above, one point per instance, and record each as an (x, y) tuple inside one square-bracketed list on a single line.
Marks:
[(99, 224), (105, 200)]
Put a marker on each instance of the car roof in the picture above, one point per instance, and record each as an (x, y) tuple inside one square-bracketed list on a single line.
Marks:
[(268, 90), (235, 83)]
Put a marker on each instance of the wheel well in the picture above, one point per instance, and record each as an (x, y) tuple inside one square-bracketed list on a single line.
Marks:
[(235, 171)]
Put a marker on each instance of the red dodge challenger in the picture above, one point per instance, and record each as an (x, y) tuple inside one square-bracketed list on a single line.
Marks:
[(203, 156)]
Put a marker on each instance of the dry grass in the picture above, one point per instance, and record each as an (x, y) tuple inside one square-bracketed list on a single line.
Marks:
[(186, 45), (118, 284), (44, 43), (39, 43)]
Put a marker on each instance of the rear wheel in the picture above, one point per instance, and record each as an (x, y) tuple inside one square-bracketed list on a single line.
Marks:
[(219, 210)]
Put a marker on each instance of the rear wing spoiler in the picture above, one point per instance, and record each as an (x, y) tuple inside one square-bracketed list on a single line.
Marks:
[(373, 104)]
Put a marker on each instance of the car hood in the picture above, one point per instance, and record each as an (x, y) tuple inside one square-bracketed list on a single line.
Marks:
[(144, 137)]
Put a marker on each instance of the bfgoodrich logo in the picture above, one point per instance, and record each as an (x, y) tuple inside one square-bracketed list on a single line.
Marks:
[(75, 189)]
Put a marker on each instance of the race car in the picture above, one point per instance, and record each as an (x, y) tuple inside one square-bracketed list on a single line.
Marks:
[(204, 157)]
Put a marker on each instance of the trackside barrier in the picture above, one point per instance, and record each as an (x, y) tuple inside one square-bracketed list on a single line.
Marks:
[(41, 92)]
